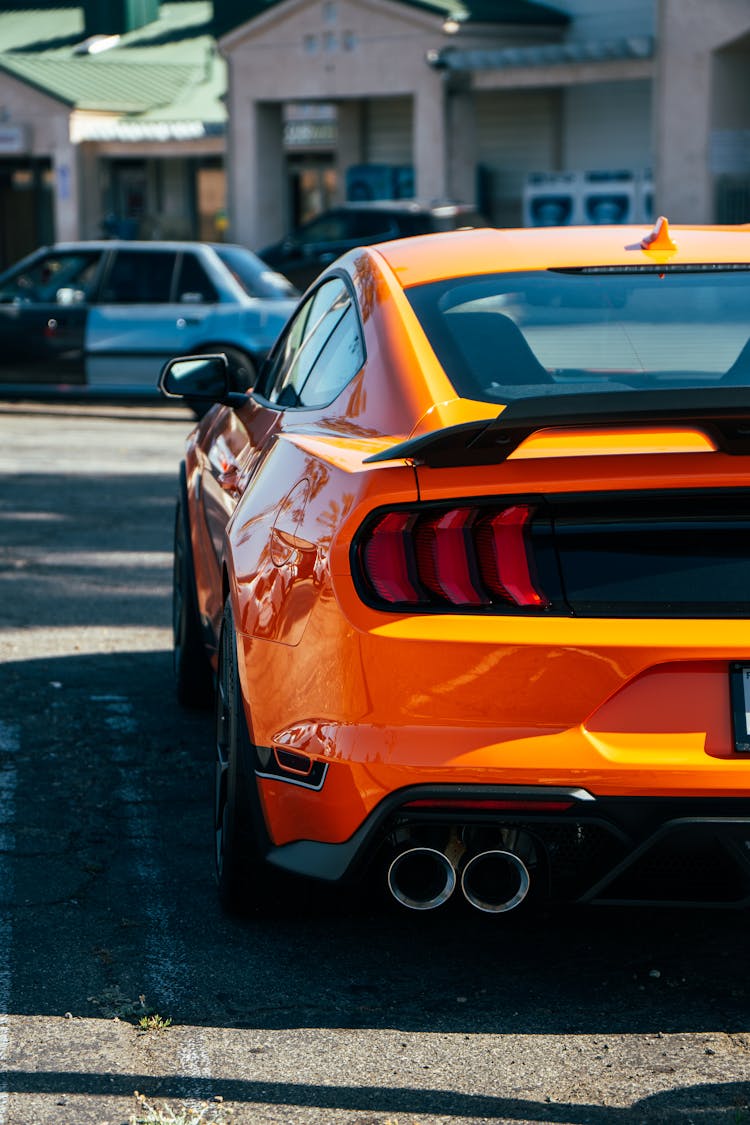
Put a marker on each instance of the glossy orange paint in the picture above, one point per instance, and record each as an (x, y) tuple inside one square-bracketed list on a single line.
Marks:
[(619, 707), (536, 682), (419, 260)]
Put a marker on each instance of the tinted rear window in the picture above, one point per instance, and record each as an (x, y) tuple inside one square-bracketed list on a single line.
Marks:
[(510, 335), (253, 275), (138, 277)]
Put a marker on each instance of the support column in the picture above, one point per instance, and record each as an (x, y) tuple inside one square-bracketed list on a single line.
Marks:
[(462, 143), (689, 103), (257, 176), (682, 115), (430, 139), (89, 199)]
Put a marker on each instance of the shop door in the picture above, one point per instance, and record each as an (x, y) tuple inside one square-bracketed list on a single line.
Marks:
[(25, 209), (312, 187)]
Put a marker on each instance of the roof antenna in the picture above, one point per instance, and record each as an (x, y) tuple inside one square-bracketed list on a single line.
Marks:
[(659, 238)]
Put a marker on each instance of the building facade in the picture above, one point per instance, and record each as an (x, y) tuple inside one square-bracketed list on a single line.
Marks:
[(567, 111), (241, 118), (112, 121)]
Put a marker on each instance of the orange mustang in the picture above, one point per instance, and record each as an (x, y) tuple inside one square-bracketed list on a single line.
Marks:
[(470, 569)]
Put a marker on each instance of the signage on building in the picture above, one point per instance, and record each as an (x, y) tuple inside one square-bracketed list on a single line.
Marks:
[(14, 139), (309, 133), (310, 125)]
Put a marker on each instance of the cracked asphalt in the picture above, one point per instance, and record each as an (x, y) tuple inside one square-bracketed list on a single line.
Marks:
[(118, 973)]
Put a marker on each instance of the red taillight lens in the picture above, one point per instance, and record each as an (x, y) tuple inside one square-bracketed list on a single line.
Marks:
[(387, 558), (471, 556), (445, 557), (504, 559)]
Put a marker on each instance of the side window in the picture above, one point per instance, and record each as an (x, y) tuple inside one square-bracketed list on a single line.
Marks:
[(372, 224), (321, 352), (284, 353), (139, 277), (326, 307), (331, 227), (193, 283), (43, 279), (339, 361), (420, 223)]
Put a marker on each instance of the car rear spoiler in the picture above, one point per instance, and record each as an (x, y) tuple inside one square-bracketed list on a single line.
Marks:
[(723, 413)]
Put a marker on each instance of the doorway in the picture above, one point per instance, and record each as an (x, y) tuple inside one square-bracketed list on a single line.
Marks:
[(313, 184)]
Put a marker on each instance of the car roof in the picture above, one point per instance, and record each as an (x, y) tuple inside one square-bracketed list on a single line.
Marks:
[(142, 244), (434, 257), (405, 207)]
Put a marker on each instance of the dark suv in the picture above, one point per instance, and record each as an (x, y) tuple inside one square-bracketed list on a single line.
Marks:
[(310, 248)]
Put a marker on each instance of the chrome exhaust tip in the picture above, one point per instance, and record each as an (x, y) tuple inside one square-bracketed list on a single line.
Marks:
[(421, 878), (495, 881)]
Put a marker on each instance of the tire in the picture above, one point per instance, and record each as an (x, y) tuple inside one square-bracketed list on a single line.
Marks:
[(192, 669), (246, 884)]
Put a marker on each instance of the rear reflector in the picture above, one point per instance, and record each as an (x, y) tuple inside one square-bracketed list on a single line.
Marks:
[(459, 556)]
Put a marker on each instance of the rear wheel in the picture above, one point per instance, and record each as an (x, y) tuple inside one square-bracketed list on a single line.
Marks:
[(192, 669), (245, 882)]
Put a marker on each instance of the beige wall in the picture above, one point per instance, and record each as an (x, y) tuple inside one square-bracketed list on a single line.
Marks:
[(691, 32)]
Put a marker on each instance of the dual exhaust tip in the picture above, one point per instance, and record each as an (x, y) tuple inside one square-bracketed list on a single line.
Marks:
[(493, 881)]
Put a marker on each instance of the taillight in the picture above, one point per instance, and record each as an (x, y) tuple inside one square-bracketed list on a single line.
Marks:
[(503, 558), (445, 558), (467, 556), (387, 558)]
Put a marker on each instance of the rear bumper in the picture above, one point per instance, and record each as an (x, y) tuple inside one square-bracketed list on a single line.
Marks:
[(624, 850)]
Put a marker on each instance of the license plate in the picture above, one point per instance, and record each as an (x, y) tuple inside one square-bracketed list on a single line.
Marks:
[(739, 683)]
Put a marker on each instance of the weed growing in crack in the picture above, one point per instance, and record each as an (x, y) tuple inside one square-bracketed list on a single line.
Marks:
[(204, 1113)]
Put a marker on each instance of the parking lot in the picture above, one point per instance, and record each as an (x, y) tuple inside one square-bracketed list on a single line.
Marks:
[(118, 973)]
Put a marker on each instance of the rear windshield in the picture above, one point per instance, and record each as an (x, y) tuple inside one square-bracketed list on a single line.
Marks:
[(255, 277), (512, 335)]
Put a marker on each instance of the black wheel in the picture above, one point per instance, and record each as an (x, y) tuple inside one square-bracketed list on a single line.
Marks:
[(246, 884), (192, 669)]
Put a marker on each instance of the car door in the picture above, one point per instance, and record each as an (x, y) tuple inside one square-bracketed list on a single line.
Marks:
[(44, 307), (152, 306)]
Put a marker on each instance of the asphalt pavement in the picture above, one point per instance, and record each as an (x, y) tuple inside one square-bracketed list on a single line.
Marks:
[(118, 972)]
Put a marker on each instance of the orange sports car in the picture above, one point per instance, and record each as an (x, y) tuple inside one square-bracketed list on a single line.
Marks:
[(468, 572)]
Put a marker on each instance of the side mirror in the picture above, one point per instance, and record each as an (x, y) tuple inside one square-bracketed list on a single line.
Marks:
[(201, 377)]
